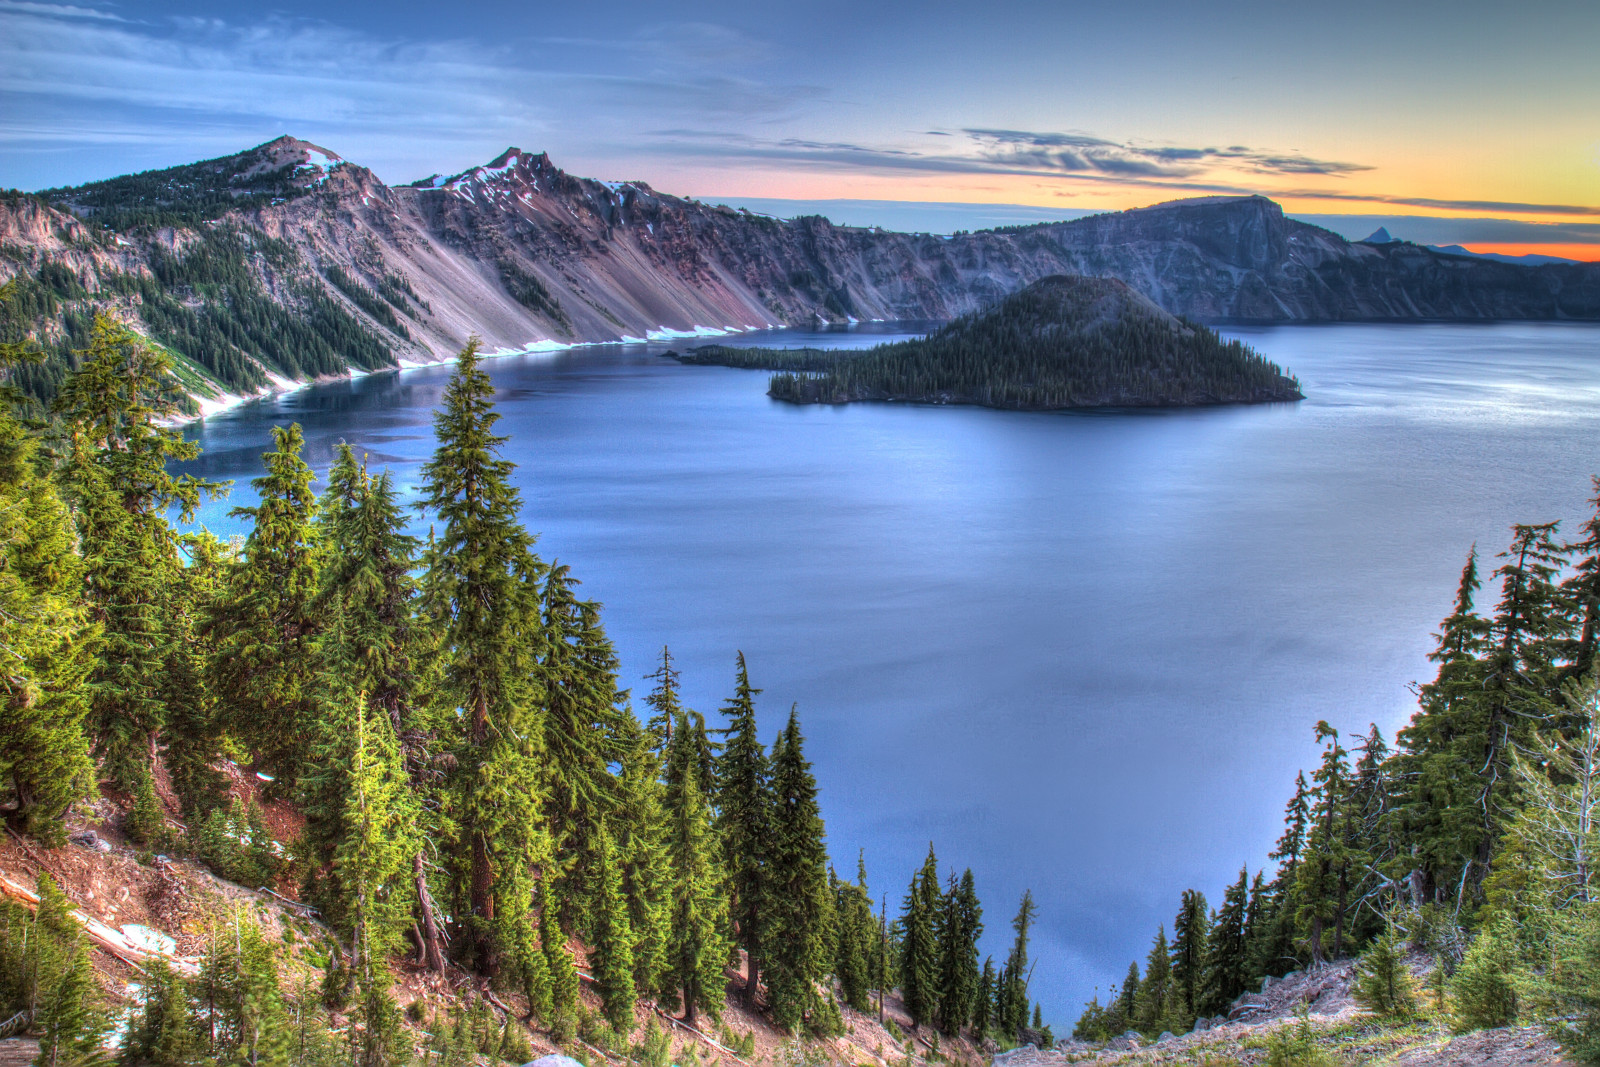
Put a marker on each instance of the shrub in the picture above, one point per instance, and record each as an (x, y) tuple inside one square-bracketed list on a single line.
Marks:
[(1568, 993), (1296, 1046), (1483, 992), (1383, 983)]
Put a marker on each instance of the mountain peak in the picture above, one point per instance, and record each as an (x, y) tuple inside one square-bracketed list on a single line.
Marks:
[(1380, 236)]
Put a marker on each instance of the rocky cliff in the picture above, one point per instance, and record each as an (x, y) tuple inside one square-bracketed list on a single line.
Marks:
[(224, 260)]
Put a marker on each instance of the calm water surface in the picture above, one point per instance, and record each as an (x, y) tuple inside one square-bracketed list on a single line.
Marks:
[(1081, 653)]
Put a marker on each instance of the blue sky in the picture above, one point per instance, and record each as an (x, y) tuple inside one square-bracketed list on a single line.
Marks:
[(1462, 110)]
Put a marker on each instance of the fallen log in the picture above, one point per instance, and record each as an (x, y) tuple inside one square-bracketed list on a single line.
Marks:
[(105, 937)]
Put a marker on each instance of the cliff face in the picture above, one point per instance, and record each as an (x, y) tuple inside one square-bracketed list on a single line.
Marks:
[(521, 253), (1240, 259)]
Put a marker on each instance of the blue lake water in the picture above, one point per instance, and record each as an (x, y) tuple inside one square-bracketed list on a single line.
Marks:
[(1082, 653)]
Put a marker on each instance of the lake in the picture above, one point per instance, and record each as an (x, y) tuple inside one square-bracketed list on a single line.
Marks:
[(1081, 653)]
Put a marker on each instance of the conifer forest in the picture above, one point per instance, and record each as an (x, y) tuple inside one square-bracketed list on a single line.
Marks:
[(476, 799)]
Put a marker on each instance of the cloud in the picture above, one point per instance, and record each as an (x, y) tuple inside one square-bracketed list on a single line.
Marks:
[(1077, 152), (75, 77)]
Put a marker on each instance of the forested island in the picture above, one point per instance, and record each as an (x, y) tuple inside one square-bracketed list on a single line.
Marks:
[(1062, 342)]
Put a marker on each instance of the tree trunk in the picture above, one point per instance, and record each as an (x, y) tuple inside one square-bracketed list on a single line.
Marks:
[(432, 955), (752, 981)]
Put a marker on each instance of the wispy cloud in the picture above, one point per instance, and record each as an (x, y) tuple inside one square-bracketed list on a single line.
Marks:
[(80, 77), (1079, 152)]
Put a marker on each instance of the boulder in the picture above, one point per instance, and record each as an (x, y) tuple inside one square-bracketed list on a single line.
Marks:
[(1201, 1025), (1266, 983), (1166, 1036)]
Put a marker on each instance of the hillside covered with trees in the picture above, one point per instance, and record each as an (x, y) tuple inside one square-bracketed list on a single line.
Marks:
[(443, 720), (1062, 342), (1472, 843)]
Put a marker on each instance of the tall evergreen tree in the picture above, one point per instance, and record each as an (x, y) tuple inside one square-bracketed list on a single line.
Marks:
[(1322, 878), (960, 926), (115, 409), (1190, 936), (640, 826), (1227, 964), (480, 590), (744, 812), (263, 628), (856, 938), (613, 939), (374, 864), (698, 947), (919, 946), (983, 1004), (1014, 998), (1435, 810), (45, 762), (799, 912), (1153, 1004), (1582, 590)]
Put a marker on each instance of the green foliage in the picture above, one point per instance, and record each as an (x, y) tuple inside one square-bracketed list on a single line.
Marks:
[(1567, 993), (799, 910), (1295, 1045), (365, 299), (1190, 936), (1227, 953), (118, 482), (527, 290), (613, 940), (1012, 999), (744, 814), (1383, 983), (698, 943), (1060, 343), (919, 945), (165, 1032), (234, 842), (480, 593), (959, 926), (263, 627), (146, 821), (1483, 992), (45, 763)]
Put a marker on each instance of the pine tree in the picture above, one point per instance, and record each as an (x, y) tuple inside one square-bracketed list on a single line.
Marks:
[(960, 926), (373, 860), (263, 626), (798, 913), (559, 966), (983, 1004), (1383, 983), (69, 1016), (480, 593), (117, 479), (744, 811), (698, 947), (1190, 936), (919, 947), (1321, 881), (1153, 1003), (613, 940), (165, 1033), (856, 940), (1567, 993), (1433, 813), (194, 725), (1582, 590), (45, 764), (1483, 991), (1553, 845), (1227, 951), (640, 825), (1014, 1014), (1128, 995)]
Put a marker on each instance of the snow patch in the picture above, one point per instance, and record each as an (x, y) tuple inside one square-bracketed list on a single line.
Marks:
[(665, 333), (149, 940)]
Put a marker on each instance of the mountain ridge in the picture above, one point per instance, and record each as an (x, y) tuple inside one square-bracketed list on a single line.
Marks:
[(527, 256)]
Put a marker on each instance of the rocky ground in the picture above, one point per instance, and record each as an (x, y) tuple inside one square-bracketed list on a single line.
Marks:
[(1318, 1002)]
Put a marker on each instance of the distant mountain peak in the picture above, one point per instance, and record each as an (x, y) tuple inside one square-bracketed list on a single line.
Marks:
[(1380, 236)]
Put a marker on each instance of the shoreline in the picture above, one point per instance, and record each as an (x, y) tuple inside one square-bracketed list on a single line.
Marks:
[(223, 401)]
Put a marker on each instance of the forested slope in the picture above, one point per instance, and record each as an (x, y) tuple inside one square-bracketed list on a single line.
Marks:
[(426, 743)]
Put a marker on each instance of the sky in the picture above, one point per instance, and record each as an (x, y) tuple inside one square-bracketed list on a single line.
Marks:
[(1466, 110)]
